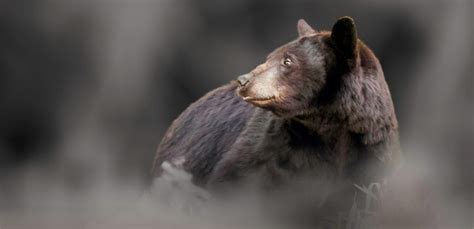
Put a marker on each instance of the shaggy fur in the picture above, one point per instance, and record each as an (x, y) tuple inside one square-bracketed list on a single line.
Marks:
[(318, 107)]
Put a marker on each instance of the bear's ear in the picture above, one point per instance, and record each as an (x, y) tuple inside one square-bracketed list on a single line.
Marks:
[(344, 37), (303, 28)]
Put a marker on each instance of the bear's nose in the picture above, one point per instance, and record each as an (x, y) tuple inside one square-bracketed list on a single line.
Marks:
[(244, 79)]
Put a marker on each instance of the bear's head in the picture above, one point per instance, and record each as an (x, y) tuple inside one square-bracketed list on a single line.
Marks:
[(295, 76), (324, 79)]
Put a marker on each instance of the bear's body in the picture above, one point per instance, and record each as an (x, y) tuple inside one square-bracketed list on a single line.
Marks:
[(319, 107), (202, 134)]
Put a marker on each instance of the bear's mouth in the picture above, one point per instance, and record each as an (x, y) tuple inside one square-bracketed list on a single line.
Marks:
[(257, 99)]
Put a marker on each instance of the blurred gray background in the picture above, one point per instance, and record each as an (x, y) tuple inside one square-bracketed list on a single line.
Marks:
[(87, 88)]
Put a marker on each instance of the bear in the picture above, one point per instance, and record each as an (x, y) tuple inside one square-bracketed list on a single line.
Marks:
[(319, 106)]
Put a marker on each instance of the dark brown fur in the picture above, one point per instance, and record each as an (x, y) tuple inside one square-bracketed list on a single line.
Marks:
[(333, 118)]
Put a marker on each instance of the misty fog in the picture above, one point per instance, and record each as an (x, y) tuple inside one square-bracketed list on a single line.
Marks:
[(89, 87)]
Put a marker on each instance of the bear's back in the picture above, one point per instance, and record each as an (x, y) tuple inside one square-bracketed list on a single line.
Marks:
[(203, 132)]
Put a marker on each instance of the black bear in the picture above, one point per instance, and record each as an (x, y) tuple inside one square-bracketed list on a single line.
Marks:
[(318, 106)]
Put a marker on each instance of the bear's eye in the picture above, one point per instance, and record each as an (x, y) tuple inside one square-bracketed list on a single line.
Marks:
[(287, 61)]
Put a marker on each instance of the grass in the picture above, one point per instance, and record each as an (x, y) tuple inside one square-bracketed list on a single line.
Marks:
[(362, 214)]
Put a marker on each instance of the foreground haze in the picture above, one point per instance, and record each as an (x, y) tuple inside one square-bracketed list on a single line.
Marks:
[(89, 87)]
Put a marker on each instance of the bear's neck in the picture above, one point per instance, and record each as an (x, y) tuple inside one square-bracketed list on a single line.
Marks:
[(332, 109), (328, 127)]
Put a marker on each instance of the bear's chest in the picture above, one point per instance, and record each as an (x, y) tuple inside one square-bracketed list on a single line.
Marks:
[(296, 152)]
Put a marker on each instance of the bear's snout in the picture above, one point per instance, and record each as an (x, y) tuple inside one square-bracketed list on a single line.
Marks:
[(244, 79)]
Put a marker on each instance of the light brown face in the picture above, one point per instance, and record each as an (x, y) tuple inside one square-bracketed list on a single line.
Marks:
[(287, 81), (284, 83), (269, 84), (261, 85)]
